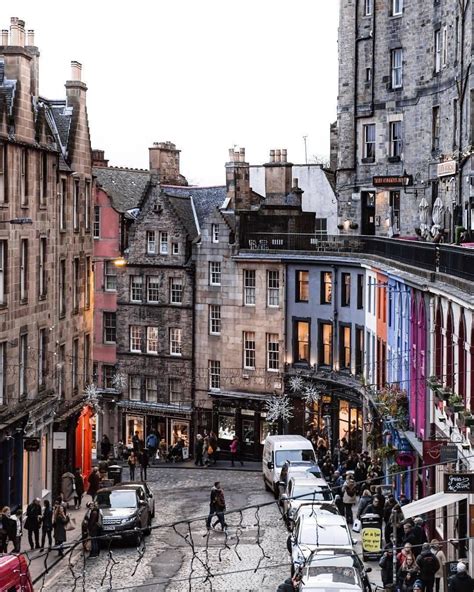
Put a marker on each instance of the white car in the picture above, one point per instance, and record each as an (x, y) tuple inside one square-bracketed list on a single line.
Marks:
[(341, 579), (301, 490), (298, 469)]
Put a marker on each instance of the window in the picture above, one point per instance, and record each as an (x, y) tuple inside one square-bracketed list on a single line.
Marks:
[(42, 350), (360, 291), (215, 233), (24, 270), (151, 242), (321, 228), (326, 287), (164, 243), (3, 174), (455, 125), (249, 350), (75, 364), (176, 290), (435, 127), (175, 341), (62, 287), (134, 387), (397, 7), (214, 319), (3, 271), (136, 288), (96, 229), (3, 357), (75, 206), (214, 375), (369, 142), (87, 357), (214, 273), (153, 289), (23, 352), (152, 340), (110, 276), (368, 74), (87, 207), (108, 374), (24, 177), (175, 248), (75, 284), (174, 390), (136, 338), (151, 389), (395, 210), (396, 142), (87, 282), (345, 289), (397, 68), (273, 288), (302, 286), (43, 178), (63, 205), (359, 351), (110, 327), (301, 354), (437, 50), (325, 344), (62, 371), (249, 287), (367, 7), (273, 352), (345, 348), (42, 276)]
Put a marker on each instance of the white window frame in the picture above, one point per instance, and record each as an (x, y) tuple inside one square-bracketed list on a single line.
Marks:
[(273, 352), (23, 170), (151, 242), (397, 7), (250, 287), (3, 271), (87, 283), (273, 288), (23, 363), (396, 143), (136, 339), (63, 204), (249, 350), (215, 273), (368, 7), (62, 287), (87, 206), (42, 280), (43, 178), (152, 340), (396, 64), (136, 284), (76, 278), (444, 55), (164, 246), (151, 386), (42, 336), (175, 339), (96, 227), (174, 390), (214, 367), (175, 248), (215, 321), (152, 287), (176, 289), (369, 140), (109, 265), (3, 174), (437, 50), (104, 328), (134, 385), (215, 233)]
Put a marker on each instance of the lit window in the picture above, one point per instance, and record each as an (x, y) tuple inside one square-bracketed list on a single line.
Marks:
[(176, 290), (164, 243), (273, 288), (152, 340), (325, 344), (345, 289), (301, 353), (302, 286), (214, 273), (345, 348), (136, 288), (249, 287), (214, 375), (153, 289), (273, 352), (249, 350), (136, 338), (214, 319), (397, 68), (151, 242), (175, 341)]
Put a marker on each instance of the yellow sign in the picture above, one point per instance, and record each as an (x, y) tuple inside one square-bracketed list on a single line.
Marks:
[(372, 540)]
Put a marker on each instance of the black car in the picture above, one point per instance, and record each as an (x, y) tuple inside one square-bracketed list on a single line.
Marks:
[(124, 509)]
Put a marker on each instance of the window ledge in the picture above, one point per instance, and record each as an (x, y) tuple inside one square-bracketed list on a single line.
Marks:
[(368, 160)]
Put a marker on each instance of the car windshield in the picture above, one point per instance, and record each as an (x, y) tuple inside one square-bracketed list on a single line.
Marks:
[(282, 456), (117, 499), (331, 535), (335, 575), (310, 493)]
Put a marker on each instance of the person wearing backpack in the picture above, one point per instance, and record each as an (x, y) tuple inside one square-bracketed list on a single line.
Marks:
[(349, 498), (428, 565), (217, 506)]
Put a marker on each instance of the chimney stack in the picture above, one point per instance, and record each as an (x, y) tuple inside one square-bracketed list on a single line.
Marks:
[(31, 37), (98, 159), (164, 161), (278, 177), (76, 71), (5, 37), (238, 180), (14, 31)]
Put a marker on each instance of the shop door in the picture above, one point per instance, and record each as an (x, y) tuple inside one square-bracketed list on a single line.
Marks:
[(368, 212), (248, 433)]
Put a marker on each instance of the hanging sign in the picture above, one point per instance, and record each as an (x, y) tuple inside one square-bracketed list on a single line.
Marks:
[(447, 168), (31, 444), (392, 181), (459, 483)]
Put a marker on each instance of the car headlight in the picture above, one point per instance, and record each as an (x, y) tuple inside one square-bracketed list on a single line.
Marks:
[(129, 519)]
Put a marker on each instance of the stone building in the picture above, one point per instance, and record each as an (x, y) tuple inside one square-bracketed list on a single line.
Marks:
[(45, 274), (405, 109)]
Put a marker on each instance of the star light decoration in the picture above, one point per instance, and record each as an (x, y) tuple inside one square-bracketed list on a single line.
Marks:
[(119, 381), (311, 394), (92, 398), (296, 384), (279, 408)]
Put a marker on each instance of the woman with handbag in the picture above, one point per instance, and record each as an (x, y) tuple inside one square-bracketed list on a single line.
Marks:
[(60, 521)]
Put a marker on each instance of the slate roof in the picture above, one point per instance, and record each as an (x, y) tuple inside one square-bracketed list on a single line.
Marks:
[(62, 116), (184, 210), (206, 199), (126, 187), (7, 89)]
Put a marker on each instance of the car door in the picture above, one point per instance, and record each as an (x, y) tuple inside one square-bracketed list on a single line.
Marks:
[(150, 498), (143, 508)]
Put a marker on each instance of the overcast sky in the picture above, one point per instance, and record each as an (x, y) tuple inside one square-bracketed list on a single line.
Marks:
[(204, 74)]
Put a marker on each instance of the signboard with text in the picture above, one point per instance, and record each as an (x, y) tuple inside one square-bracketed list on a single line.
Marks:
[(459, 483), (447, 168), (371, 537), (59, 440), (392, 181)]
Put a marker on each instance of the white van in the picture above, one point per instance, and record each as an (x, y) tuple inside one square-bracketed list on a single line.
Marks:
[(276, 451)]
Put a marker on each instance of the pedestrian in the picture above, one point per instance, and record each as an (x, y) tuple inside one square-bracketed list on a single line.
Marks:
[(46, 525), (152, 445), (404, 553), (212, 448), (461, 581), (236, 451), (217, 506), (364, 501), (374, 508), (79, 488), (136, 443), (94, 529), (205, 449), (386, 565), (339, 504), (198, 451), (441, 557), (94, 482), (68, 486), (18, 518), (132, 463), (418, 586), (144, 460), (163, 448), (105, 447), (349, 499), (60, 519), (395, 524), (407, 574), (8, 527), (428, 566), (32, 523), (410, 537)]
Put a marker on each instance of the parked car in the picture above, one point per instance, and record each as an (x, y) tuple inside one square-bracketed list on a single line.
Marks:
[(148, 493), (124, 509), (14, 574), (276, 451), (325, 531), (304, 490), (301, 468)]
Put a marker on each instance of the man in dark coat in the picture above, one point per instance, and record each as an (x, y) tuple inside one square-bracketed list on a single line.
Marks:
[(428, 565), (79, 488), (144, 460), (198, 451), (136, 443), (217, 506), (105, 447), (386, 564), (461, 581), (94, 527), (409, 536), (32, 522), (94, 482)]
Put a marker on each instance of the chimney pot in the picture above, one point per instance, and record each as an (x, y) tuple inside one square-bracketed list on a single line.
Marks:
[(31, 37), (272, 155), (242, 155), (76, 69), (14, 31), (4, 36), (295, 182), (283, 155), (277, 155), (231, 155)]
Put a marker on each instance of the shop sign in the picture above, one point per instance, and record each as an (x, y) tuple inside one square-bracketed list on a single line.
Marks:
[(59, 440), (392, 181), (31, 444), (432, 451), (185, 452), (459, 483), (449, 453), (371, 537), (405, 459), (447, 168)]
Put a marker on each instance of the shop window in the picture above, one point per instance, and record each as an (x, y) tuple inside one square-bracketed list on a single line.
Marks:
[(180, 431), (301, 331), (226, 427), (302, 286), (325, 344), (134, 423), (326, 287)]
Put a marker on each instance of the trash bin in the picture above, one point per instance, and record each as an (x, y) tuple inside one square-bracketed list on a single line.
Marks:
[(115, 474), (371, 537)]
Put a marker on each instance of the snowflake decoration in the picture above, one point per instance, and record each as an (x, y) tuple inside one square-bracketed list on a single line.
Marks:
[(119, 381), (279, 408), (296, 384), (92, 397), (311, 394)]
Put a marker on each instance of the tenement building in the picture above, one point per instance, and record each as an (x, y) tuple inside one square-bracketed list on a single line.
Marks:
[(45, 275), (405, 125)]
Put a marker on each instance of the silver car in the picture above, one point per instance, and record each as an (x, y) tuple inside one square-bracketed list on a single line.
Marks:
[(146, 490), (303, 490)]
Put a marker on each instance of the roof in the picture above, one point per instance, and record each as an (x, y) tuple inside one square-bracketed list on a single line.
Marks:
[(184, 210), (62, 116), (206, 199), (125, 187)]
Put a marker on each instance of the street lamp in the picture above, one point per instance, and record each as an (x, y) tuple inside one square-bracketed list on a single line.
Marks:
[(368, 425), (120, 262)]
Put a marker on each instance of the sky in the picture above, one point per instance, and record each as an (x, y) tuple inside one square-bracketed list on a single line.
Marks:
[(205, 74)]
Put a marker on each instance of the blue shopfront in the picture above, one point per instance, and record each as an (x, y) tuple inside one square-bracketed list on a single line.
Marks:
[(11, 468), (401, 470)]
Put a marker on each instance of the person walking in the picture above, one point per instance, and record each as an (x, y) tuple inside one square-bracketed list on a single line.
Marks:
[(79, 488), (68, 486), (217, 506), (132, 463), (152, 445), (163, 448), (60, 519), (94, 483), (136, 443), (349, 499), (428, 566), (46, 524), (407, 574), (386, 565), (144, 460), (212, 448), (441, 557), (198, 451), (105, 447), (94, 528), (236, 451), (364, 501), (18, 517), (461, 581), (8, 527), (32, 523)]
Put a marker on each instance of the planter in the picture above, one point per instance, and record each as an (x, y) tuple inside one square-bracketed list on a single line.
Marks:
[(458, 407)]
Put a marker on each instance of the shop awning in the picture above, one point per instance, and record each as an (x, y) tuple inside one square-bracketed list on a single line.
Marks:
[(432, 502), (155, 408)]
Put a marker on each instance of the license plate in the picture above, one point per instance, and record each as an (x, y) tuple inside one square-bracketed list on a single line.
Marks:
[(108, 527)]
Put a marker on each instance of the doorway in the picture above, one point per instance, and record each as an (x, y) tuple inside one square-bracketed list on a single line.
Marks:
[(368, 212)]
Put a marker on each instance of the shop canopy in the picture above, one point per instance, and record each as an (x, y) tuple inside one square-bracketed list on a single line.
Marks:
[(432, 502)]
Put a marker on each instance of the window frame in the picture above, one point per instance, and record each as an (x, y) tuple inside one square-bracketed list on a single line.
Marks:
[(214, 372), (152, 340), (396, 67), (369, 143), (109, 328), (75, 205), (322, 345), (215, 276), (23, 365), (397, 7), (3, 174), (173, 382), (299, 283), (345, 349), (154, 380), (108, 265), (326, 292), (75, 364), (360, 291), (136, 334), (249, 350), (3, 272), (42, 268), (87, 205), (134, 385), (249, 281), (62, 288), (215, 320), (273, 352), (175, 341), (42, 356), (176, 288), (151, 242), (96, 224), (215, 233), (136, 285), (368, 7), (23, 270), (164, 242), (396, 138), (297, 359), (273, 288)]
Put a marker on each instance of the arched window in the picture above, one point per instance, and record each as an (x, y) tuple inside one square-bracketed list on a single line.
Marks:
[(462, 358), (438, 343), (449, 350)]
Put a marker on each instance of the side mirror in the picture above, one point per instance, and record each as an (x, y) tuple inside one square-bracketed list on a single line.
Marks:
[(354, 541), (270, 465), (281, 483), (368, 569), (142, 504)]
